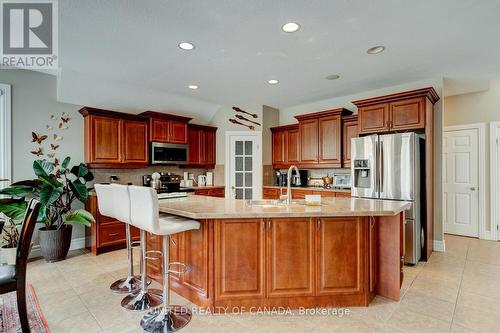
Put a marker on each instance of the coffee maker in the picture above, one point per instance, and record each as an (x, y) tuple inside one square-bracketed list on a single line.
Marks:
[(296, 180)]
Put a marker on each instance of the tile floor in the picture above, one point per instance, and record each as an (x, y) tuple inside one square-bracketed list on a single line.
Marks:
[(456, 291)]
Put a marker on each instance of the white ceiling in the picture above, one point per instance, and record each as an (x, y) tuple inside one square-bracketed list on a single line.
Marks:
[(239, 46)]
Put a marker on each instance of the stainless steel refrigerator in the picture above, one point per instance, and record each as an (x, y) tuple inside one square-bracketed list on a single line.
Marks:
[(389, 167)]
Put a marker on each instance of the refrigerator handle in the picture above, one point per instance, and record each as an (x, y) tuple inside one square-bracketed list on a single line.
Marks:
[(377, 167), (381, 171)]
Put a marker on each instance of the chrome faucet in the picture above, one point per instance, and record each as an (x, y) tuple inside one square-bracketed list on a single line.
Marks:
[(289, 182)]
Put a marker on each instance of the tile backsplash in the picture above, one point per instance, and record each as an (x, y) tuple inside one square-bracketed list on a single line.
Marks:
[(134, 176)]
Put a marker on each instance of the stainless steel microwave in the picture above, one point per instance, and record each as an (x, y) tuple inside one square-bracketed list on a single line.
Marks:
[(168, 153)]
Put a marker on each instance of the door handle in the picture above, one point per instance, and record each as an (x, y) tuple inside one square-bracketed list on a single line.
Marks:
[(381, 167), (472, 188)]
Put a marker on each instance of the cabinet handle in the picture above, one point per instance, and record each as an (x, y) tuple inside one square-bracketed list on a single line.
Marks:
[(263, 224), (113, 234), (319, 224), (269, 224)]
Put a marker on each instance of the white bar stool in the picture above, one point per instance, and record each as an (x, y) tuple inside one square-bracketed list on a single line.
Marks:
[(144, 298), (108, 207), (113, 205), (145, 215)]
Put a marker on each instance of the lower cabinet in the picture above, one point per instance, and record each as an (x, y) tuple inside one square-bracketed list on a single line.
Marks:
[(273, 193), (106, 234), (218, 192), (290, 257), (298, 257), (340, 262), (239, 259)]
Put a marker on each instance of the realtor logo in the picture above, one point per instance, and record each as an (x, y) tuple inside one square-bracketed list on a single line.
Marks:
[(29, 34)]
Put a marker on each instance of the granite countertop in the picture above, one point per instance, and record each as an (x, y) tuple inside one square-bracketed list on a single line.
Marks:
[(202, 207), (312, 188), (206, 186)]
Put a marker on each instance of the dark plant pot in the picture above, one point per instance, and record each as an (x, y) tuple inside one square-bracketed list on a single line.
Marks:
[(54, 244)]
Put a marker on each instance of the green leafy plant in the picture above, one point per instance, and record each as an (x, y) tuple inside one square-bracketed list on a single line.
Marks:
[(56, 189)]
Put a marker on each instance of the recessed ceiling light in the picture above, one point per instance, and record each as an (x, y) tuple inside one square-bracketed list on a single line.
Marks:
[(333, 77), (375, 49), (193, 86), (290, 27), (273, 81), (186, 46)]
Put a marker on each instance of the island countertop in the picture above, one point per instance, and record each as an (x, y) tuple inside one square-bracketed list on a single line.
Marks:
[(202, 207)]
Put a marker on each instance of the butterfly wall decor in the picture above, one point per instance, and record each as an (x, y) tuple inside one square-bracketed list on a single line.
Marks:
[(38, 138), (38, 152), (53, 146)]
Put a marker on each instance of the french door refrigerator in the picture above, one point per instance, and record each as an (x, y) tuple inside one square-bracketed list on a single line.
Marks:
[(389, 167)]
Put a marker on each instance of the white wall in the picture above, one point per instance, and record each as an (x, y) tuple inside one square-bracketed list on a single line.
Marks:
[(287, 117), (33, 101), (221, 121), (472, 108)]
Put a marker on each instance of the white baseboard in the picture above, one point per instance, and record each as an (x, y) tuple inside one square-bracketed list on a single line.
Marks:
[(438, 245), (76, 244)]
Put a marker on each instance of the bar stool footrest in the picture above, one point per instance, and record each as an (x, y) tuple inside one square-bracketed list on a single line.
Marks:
[(184, 267), (169, 319)]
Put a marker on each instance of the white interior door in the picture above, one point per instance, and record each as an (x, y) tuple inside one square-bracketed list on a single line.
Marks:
[(461, 182), (244, 162)]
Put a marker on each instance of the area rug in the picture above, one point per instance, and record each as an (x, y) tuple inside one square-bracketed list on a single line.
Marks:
[(9, 318)]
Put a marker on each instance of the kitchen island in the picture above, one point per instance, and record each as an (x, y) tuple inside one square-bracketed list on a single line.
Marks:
[(244, 256)]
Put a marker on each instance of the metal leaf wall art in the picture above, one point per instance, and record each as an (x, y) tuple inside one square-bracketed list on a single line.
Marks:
[(244, 120)]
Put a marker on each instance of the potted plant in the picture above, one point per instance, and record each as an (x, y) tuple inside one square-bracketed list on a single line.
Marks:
[(10, 242), (56, 189)]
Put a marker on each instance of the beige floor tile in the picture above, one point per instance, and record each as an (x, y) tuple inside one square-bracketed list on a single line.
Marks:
[(58, 306), (489, 303), (109, 316), (377, 313), (460, 329), (83, 322), (426, 305), (480, 284), (409, 321), (476, 320), (436, 288), (475, 268)]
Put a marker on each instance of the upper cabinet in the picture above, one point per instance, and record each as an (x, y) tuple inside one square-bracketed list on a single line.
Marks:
[(396, 112), (201, 141), (285, 145), (349, 131), (167, 128), (321, 138), (114, 139)]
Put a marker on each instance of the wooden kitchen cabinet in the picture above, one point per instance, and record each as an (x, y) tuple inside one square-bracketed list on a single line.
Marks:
[(279, 147), (167, 128), (134, 149), (202, 146), (373, 118), (349, 131), (239, 259), (340, 244), (290, 257), (114, 139), (396, 112), (309, 141), (106, 233), (218, 192), (285, 146), (321, 138), (293, 146), (407, 114), (330, 140)]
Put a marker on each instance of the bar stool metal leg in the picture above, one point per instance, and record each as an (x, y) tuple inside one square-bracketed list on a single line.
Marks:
[(168, 318), (131, 283), (146, 298)]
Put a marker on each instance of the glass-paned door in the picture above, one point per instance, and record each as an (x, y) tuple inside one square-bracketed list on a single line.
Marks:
[(245, 167)]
